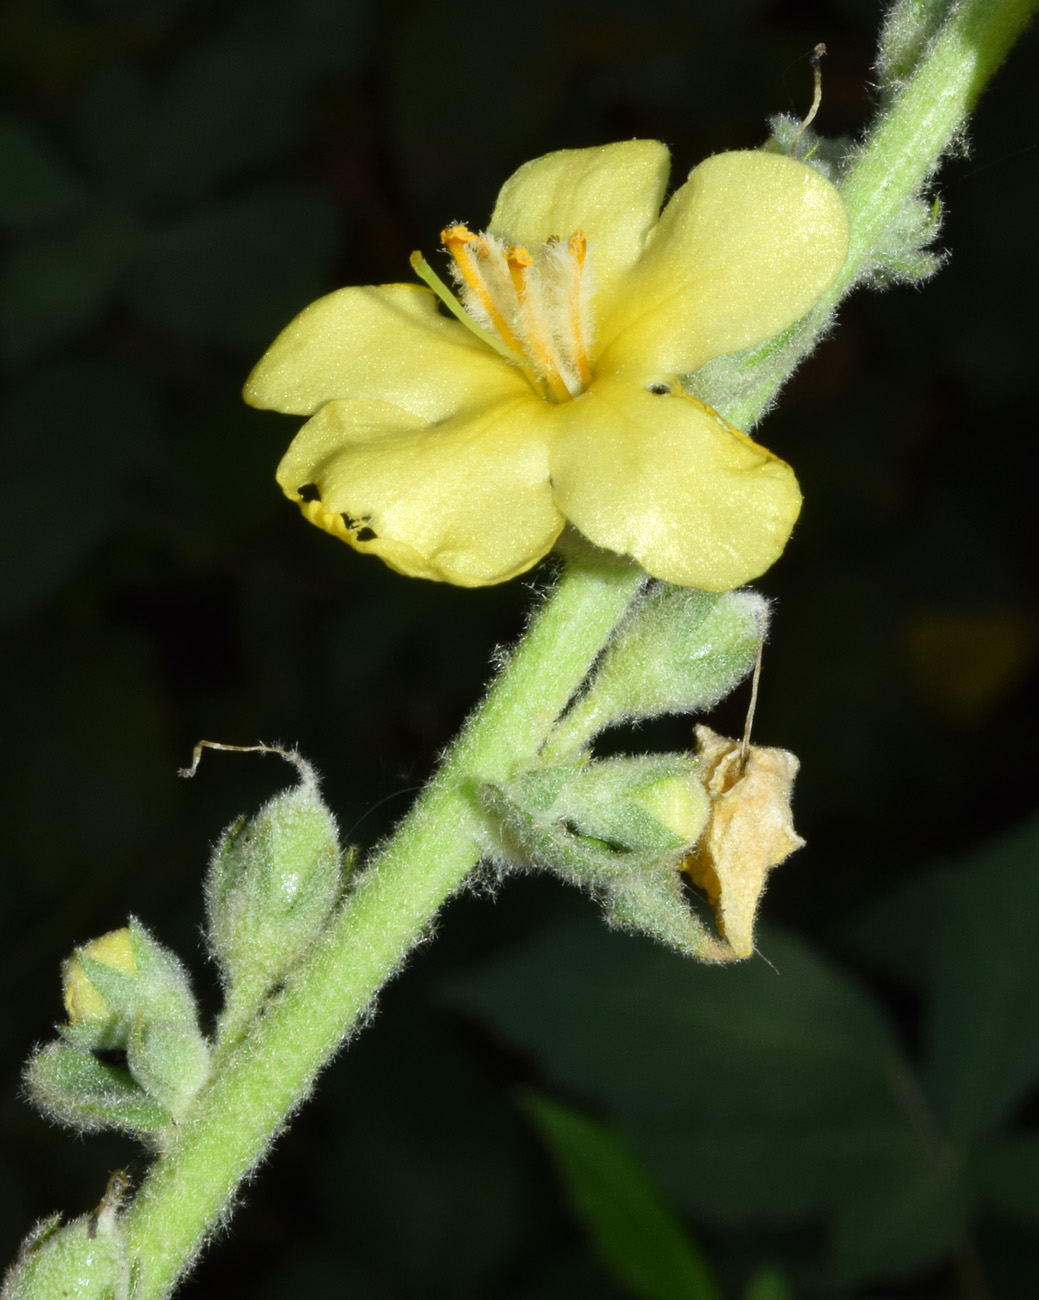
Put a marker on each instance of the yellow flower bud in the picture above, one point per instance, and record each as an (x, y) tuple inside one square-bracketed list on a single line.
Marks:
[(677, 803), (83, 1002)]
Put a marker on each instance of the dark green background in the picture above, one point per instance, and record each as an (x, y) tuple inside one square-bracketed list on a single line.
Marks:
[(176, 180)]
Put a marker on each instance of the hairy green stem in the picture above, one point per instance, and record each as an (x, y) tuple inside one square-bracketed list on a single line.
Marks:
[(397, 897), (925, 113), (270, 1072)]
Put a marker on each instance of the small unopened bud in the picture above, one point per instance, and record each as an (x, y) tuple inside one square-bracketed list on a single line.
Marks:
[(83, 1001), (677, 651), (620, 828), (86, 1258), (651, 803), (749, 832), (273, 881), (113, 982), (678, 804), (126, 992), (170, 1062)]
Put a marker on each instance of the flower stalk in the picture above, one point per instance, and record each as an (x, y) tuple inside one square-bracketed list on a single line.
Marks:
[(268, 1074), (398, 895), (939, 57), (925, 117)]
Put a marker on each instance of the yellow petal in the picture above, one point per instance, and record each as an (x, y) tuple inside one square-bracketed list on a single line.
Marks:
[(613, 193), (386, 343), (467, 500), (664, 479), (741, 251)]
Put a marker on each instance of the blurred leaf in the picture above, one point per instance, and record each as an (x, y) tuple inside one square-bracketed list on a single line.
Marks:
[(634, 1233), (768, 1284), (1006, 1174), (72, 431), (754, 1093), (906, 1210), (35, 184), (968, 936), (424, 1160), (57, 281), (237, 272), (232, 102), (241, 98), (889, 934), (982, 1047), (695, 1037), (116, 126)]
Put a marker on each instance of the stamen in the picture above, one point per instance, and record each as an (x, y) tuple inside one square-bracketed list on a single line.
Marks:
[(458, 240), (539, 343), (529, 307), (578, 251), (518, 260)]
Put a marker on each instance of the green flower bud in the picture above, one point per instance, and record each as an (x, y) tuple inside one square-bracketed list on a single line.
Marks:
[(653, 803), (677, 803), (273, 881), (637, 890), (596, 823), (170, 1062), (126, 992), (86, 1259), (677, 651)]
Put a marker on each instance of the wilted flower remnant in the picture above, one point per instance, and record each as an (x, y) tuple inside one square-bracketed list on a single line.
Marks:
[(457, 446), (749, 831)]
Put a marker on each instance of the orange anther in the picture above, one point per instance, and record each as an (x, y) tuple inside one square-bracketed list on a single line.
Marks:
[(518, 260), (461, 243), (456, 235)]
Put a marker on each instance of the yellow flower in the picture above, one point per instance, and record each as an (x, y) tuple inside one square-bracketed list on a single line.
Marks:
[(457, 447)]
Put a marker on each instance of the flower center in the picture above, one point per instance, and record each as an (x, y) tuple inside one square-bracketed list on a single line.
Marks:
[(531, 309)]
